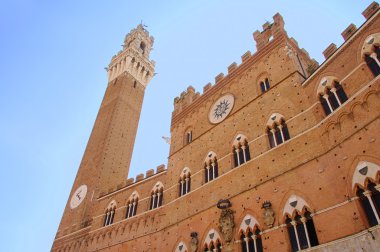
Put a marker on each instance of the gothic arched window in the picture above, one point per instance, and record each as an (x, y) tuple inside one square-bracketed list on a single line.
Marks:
[(250, 235), (132, 205), (212, 242), (142, 47), (371, 53), (211, 167), (331, 94), (110, 213), (184, 182), (277, 130), (366, 184), (300, 225), (181, 247), (188, 136), (156, 196), (264, 85), (240, 150)]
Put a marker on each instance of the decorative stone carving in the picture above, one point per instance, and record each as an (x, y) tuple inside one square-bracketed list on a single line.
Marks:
[(194, 241), (221, 108), (268, 214), (226, 220)]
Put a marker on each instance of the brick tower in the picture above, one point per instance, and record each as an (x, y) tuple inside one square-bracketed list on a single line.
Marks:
[(109, 150)]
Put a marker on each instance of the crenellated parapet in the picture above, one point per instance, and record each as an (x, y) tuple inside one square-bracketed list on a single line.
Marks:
[(130, 182), (270, 31), (273, 34), (185, 99), (134, 57)]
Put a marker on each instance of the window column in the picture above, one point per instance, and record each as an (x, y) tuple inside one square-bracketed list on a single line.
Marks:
[(237, 156), (294, 224), (368, 195)]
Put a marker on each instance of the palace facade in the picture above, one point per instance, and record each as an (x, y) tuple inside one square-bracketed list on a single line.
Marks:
[(280, 154)]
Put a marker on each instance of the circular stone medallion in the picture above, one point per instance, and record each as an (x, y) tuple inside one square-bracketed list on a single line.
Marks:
[(221, 108), (78, 196)]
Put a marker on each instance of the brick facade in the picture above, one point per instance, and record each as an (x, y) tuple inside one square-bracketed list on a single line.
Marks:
[(311, 172)]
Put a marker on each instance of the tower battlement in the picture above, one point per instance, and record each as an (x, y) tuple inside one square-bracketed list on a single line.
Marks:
[(134, 57), (270, 31), (275, 142)]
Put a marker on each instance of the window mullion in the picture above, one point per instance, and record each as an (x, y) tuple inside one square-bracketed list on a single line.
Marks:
[(328, 102), (368, 195), (303, 220), (294, 224)]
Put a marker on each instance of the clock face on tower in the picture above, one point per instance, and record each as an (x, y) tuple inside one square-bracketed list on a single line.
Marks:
[(78, 196), (221, 108)]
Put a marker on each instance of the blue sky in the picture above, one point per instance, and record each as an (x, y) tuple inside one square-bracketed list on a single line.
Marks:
[(52, 80)]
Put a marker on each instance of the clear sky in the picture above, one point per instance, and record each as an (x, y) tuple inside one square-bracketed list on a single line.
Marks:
[(52, 59)]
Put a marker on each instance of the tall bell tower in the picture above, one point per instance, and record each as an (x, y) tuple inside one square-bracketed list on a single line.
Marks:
[(107, 157)]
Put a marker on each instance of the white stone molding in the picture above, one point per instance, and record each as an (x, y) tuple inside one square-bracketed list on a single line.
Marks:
[(181, 247), (248, 222), (294, 203), (327, 82), (369, 44), (212, 236), (275, 119), (364, 170)]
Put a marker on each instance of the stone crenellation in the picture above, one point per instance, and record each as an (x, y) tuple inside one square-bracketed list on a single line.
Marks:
[(279, 152), (270, 32), (130, 182)]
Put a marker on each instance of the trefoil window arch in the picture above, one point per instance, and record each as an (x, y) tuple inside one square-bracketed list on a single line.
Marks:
[(132, 205), (240, 150), (184, 182), (250, 235), (156, 196), (367, 187), (212, 242), (300, 225), (277, 130), (181, 247), (331, 94), (110, 213), (211, 167), (371, 53), (188, 136), (264, 85)]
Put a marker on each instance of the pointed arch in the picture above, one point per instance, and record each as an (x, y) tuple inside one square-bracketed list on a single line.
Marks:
[(363, 171), (371, 53), (331, 94), (184, 182), (188, 135), (157, 195), (240, 150), (277, 130), (263, 82), (211, 167), (110, 213), (181, 247), (132, 204), (212, 241), (365, 184), (250, 235), (299, 222)]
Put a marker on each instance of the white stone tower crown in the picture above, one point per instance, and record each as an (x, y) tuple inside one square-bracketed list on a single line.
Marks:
[(134, 58)]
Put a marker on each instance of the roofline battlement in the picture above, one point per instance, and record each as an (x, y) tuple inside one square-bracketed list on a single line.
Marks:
[(270, 32), (189, 97), (131, 182), (350, 33)]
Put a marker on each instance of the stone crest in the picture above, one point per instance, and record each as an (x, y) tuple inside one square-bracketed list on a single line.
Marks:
[(268, 214), (226, 220), (194, 241)]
